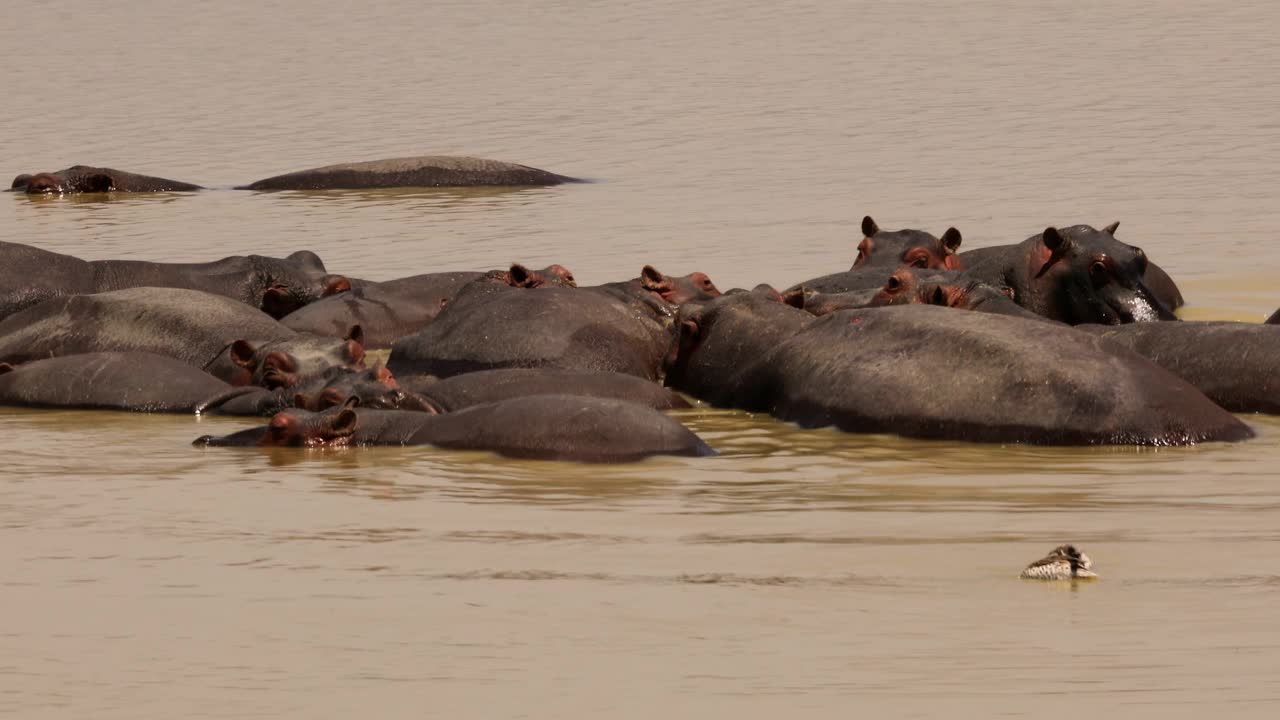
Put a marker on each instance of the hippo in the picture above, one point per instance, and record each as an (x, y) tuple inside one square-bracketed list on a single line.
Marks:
[(1007, 379), (277, 286), (1078, 275), (910, 248), (390, 310), (485, 386), (617, 327), (198, 328), (86, 179), (951, 289), (541, 427), (1074, 275), (1233, 363), (423, 171), (133, 381)]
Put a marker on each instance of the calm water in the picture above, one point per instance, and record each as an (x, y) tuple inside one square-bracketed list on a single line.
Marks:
[(805, 573)]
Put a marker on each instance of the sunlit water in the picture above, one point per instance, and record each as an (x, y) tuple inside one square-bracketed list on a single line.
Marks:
[(801, 572)]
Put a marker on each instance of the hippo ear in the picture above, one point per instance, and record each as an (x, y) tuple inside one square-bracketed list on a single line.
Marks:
[(308, 260), (1112, 227), (243, 353), (951, 239), (356, 333), (5, 368), (276, 301), (651, 279), (334, 285), (1053, 239), (344, 423), (795, 297), (522, 277), (869, 227), (98, 182)]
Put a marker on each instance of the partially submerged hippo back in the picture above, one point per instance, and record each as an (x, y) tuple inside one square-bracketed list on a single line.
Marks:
[(1234, 364), (909, 248), (478, 388), (542, 427), (86, 179), (929, 372), (422, 171), (134, 381), (189, 325)]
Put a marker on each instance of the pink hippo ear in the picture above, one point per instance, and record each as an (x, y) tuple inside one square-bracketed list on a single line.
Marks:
[(334, 285), (652, 280), (243, 353), (869, 227), (355, 346)]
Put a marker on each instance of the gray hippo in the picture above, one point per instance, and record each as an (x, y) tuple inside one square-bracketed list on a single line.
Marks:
[(541, 427), (87, 179), (422, 171), (934, 372)]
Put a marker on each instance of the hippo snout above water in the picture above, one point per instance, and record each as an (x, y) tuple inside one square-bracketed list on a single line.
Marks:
[(1064, 562)]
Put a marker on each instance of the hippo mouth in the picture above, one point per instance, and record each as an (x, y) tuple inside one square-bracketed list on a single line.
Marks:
[(1123, 305)]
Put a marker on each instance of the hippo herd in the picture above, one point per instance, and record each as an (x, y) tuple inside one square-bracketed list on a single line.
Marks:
[(1066, 338)]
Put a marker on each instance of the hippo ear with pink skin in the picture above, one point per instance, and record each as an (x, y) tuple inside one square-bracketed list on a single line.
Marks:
[(243, 353), (652, 280), (522, 277), (869, 227), (335, 285), (1112, 227), (796, 297), (951, 239)]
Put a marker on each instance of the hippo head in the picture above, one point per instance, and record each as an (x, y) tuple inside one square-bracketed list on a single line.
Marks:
[(695, 287), (295, 428), (519, 276), (285, 294), (702, 352), (42, 184), (373, 388), (910, 248), (946, 289), (285, 363), (1085, 275)]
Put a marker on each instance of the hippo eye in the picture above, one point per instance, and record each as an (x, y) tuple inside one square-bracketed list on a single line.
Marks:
[(1098, 271)]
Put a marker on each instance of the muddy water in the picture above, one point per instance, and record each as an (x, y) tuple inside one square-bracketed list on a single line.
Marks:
[(800, 572)]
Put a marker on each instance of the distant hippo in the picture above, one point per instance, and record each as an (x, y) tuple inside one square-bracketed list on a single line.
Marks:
[(541, 427), (929, 372), (86, 179), (277, 286), (1074, 275), (424, 171), (910, 248)]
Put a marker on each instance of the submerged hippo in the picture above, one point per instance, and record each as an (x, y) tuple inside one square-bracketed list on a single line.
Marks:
[(277, 286), (86, 179), (422, 171), (932, 372), (910, 248), (1078, 275), (1233, 363), (134, 381), (542, 427)]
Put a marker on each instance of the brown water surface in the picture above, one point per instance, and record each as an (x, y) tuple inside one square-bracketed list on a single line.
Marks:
[(799, 573)]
